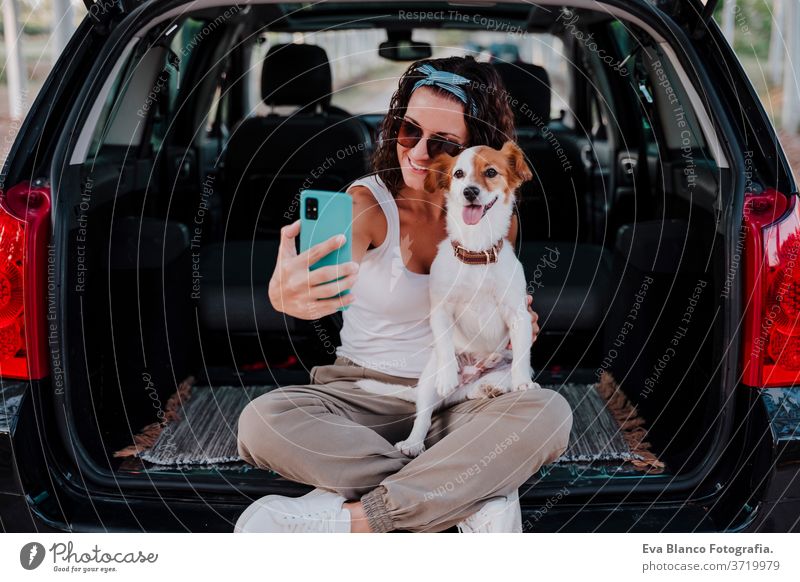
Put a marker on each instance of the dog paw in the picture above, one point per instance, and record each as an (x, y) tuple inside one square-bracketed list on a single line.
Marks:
[(447, 379), (485, 390), (521, 379), (410, 448), (529, 385), (475, 392)]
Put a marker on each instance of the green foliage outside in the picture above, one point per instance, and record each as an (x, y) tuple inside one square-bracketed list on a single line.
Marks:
[(753, 26)]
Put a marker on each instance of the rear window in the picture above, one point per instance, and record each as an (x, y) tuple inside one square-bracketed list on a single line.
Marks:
[(363, 82), (144, 94)]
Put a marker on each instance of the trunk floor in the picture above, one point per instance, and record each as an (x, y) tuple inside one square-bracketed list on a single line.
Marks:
[(612, 405)]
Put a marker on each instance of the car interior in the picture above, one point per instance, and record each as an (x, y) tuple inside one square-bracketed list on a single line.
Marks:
[(235, 116)]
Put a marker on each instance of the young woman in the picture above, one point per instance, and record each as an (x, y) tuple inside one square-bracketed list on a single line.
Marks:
[(339, 438)]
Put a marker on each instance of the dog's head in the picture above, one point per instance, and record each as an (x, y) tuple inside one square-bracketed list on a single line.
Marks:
[(479, 181)]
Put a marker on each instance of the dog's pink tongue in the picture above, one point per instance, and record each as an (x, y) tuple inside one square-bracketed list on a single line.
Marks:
[(472, 214)]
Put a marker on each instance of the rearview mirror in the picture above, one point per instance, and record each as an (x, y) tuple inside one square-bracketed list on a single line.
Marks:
[(400, 47)]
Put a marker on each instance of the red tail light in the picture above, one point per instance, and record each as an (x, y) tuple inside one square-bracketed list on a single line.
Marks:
[(772, 284), (24, 211)]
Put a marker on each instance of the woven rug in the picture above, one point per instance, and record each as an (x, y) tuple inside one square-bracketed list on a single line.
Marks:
[(200, 426)]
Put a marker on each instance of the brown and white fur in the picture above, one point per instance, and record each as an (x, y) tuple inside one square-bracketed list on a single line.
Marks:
[(475, 309)]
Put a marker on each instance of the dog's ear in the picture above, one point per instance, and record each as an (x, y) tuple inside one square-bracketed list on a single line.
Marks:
[(520, 172), (438, 176)]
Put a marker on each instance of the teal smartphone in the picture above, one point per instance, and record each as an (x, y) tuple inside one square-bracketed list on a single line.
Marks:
[(324, 214)]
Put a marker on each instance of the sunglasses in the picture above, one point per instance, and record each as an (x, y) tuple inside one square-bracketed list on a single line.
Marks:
[(409, 134)]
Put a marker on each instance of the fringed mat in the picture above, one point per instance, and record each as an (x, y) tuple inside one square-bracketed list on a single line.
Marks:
[(200, 427)]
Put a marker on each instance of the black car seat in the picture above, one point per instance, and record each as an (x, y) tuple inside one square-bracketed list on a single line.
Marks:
[(270, 159), (570, 280), (551, 205), (529, 84)]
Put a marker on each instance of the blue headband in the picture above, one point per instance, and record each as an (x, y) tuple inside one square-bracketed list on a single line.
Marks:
[(445, 80)]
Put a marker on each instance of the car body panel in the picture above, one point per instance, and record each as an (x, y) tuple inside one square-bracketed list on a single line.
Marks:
[(782, 406), (53, 496)]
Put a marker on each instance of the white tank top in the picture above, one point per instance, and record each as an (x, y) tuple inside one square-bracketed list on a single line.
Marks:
[(387, 327)]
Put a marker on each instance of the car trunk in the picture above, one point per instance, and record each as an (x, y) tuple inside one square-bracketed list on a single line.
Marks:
[(160, 301), (138, 334)]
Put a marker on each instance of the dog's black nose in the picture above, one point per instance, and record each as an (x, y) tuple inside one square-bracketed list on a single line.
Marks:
[(471, 193)]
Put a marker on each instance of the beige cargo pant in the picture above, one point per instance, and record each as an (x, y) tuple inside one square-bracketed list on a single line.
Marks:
[(333, 435)]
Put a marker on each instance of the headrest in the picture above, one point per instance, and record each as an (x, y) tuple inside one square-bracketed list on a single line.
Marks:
[(296, 74), (529, 84)]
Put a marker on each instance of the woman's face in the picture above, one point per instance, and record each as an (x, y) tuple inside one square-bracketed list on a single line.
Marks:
[(435, 115)]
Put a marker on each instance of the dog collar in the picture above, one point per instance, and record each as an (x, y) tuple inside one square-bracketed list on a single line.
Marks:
[(477, 257)]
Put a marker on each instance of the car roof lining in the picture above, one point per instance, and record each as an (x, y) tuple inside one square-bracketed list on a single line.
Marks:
[(304, 17), (275, 9)]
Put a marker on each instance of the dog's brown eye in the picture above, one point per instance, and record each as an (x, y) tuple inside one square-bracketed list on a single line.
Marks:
[(458, 174), (490, 173)]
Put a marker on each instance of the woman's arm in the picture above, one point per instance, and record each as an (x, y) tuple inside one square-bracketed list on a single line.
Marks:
[(512, 231), (512, 238), (369, 222), (297, 291)]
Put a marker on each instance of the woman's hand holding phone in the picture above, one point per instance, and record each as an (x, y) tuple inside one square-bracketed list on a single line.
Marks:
[(296, 290)]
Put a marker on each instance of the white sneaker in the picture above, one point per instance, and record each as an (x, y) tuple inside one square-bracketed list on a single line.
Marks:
[(320, 510), (498, 515)]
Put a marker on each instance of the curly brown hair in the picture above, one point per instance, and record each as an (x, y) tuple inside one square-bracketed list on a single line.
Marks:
[(492, 125)]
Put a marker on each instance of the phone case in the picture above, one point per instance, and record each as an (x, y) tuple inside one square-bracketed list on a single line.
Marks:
[(334, 216)]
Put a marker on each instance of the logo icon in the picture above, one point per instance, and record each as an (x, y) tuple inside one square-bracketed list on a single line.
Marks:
[(31, 555)]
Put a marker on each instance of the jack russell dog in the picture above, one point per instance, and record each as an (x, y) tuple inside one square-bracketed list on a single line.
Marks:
[(477, 291)]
